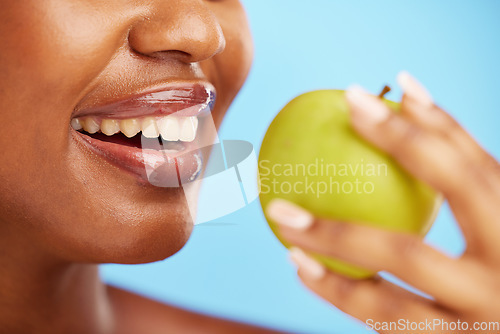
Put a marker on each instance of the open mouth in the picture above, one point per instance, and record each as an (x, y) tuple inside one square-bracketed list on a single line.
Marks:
[(154, 136), (171, 132)]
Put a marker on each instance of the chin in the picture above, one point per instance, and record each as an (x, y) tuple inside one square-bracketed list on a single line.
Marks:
[(148, 245), (131, 232), (153, 234)]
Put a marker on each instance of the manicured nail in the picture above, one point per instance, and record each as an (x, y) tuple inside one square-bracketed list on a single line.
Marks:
[(414, 89), (368, 106), (307, 264), (286, 213)]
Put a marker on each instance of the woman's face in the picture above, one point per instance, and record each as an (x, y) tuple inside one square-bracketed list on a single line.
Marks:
[(71, 196)]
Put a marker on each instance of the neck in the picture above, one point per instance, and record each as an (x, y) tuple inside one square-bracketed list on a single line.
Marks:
[(38, 295)]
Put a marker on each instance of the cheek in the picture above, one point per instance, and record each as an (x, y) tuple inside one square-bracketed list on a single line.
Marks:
[(51, 54), (49, 57), (236, 60), (232, 66), (58, 48)]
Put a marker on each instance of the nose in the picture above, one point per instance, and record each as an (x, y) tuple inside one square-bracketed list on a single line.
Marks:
[(186, 29)]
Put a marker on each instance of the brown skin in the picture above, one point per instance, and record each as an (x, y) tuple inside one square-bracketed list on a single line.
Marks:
[(64, 209), (430, 144)]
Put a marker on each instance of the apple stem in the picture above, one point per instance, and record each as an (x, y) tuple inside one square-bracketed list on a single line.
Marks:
[(384, 91)]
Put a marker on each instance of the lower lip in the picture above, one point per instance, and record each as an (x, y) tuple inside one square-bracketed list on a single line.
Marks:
[(150, 166)]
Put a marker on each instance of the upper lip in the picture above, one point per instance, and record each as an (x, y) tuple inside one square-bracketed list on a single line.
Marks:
[(183, 99)]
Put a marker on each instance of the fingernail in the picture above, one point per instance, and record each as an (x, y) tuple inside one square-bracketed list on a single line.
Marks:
[(286, 213), (368, 106), (414, 89), (307, 264)]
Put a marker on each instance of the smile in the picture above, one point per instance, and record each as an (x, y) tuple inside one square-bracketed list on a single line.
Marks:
[(154, 135), (171, 128)]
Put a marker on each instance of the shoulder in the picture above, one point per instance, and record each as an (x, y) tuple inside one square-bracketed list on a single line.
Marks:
[(136, 314)]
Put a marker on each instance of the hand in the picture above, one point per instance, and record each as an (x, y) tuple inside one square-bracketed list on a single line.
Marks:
[(431, 145)]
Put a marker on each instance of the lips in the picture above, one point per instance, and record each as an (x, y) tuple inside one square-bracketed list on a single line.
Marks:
[(155, 136), (181, 99)]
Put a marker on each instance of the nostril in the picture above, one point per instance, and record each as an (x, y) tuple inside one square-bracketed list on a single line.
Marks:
[(191, 34), (171, 54)]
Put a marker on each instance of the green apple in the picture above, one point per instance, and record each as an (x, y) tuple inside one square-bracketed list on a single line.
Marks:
[(311, 156)]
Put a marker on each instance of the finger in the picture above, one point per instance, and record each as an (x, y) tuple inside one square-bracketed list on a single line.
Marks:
[(432, 158), (403, 255), (424, 153), (371, 301), (417, 104)]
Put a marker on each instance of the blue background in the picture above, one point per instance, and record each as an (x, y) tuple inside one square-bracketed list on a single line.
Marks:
[(234, 267)]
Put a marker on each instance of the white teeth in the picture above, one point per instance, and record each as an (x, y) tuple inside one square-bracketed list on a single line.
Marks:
[(109, 127), (188, 126), (149, 128), (76, 124), (169, 128), (90, 125), (130, 127)]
